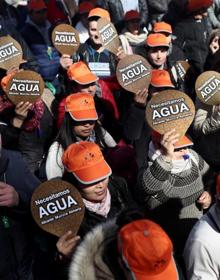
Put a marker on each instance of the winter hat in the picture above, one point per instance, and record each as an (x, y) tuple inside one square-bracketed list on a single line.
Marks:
[(80, 73), (131, 15), (85, 160), (85, 7), (147, 251), (196, 5), (36, 5), (81, 107)]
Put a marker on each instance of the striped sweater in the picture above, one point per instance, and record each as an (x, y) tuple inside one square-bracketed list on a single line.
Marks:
[(170, 199), (157, 186)]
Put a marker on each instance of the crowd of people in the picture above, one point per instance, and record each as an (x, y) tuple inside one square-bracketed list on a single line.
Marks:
[(151, 211)]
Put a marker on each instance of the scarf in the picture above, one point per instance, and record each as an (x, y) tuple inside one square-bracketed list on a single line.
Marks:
[(136, 40), (34, 115), (178, 166), (101, 208)]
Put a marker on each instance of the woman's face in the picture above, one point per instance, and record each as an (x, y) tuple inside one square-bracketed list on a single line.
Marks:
[(97, 192), (84, 129), (214, 45)]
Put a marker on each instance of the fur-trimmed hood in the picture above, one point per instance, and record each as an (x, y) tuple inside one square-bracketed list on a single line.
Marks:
[(87, 262)]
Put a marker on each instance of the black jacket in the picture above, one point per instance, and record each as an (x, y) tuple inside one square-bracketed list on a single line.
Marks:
[(191, 36)]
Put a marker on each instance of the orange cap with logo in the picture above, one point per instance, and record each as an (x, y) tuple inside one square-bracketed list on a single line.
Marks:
[(85, 7), (36, 5), (147, 251), (80, 73), (161, 78), (85, 160), (196, 5), (160, 27), (81, 107), (99, 12), (157, 40), (132, 14)]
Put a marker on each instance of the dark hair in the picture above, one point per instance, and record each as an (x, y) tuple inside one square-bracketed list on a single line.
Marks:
[(66, 135)]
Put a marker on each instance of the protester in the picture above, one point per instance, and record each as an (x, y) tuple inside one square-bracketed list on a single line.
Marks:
[(40, 42), (157, 50), (100, 61), (104, 195), (201, 253), (171, 184), (80, 124), (175, 53), (191, 34), (138, 248), (135, 127), (27, 127), (133, 36)]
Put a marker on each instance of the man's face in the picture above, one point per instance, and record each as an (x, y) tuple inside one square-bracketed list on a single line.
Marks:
[(93, 33), (157, 56)]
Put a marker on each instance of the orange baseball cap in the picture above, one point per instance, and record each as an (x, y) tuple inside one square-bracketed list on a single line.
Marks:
[(132, 14), (183, 142), (81, 107), (147, 251), (161, 78), (196, 5), (86, 162), (85, 7), (5, 80), (160, 27), (80, 73), (99, 12), (157, 40), (36, 5)]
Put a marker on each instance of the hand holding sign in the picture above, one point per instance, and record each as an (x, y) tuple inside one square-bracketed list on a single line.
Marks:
[(170, 109), (108, 35), (10, 53), (133, 73), (26, 86), (65, 39), (57, 207), (208, 87)]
